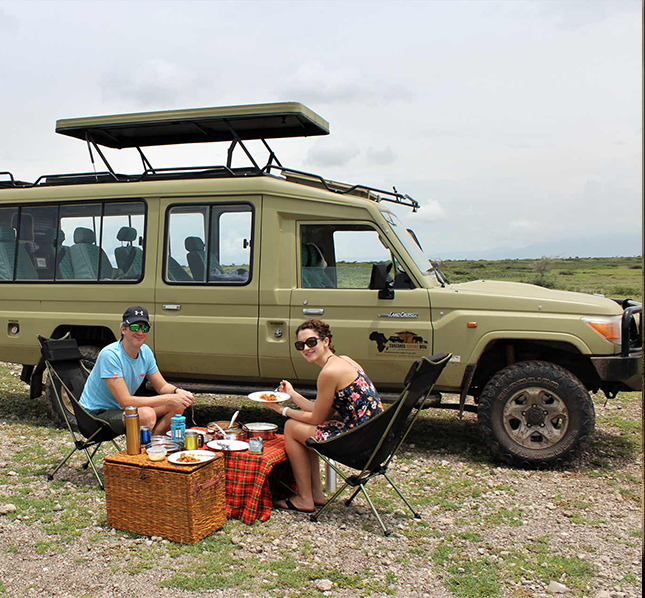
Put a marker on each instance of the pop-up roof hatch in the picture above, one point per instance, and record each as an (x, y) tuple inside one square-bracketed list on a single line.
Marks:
[(199, 125)]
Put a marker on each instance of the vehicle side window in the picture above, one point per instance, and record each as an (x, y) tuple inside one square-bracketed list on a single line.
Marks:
[(101, 241), (98, 241), (209, 244), (342, 256)]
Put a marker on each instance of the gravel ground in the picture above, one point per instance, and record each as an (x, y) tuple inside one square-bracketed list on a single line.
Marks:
[(487, 530)]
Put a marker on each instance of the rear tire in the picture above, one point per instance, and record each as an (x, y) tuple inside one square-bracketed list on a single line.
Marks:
[(535, 414), (89, 355)]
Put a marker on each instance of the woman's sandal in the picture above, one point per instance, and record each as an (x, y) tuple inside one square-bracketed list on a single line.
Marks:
[(291, 507)]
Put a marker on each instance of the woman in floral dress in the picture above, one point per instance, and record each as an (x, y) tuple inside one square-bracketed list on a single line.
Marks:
[(342, 387)]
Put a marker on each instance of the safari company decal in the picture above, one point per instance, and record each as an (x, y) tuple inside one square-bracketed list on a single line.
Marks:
[(405, 342)]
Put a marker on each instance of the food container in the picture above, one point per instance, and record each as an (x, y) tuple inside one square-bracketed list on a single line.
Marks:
[(237, 432), (156, 452), (170, 445), (263, 430)]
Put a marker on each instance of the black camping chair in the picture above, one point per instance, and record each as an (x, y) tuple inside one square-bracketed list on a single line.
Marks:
[(371, 446), (68, 375)]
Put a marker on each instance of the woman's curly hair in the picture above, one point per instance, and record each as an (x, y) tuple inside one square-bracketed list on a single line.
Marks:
[(320, 328)]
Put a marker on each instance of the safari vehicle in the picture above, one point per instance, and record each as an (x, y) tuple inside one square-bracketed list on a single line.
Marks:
[(231, 259)]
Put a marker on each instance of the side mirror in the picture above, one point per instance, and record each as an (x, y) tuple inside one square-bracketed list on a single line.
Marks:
[(379, 280)]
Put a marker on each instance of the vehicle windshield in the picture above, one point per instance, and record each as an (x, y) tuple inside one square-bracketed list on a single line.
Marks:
[(415, 252)]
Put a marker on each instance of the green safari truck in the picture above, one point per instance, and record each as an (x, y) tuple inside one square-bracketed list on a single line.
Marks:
[(230, 259)]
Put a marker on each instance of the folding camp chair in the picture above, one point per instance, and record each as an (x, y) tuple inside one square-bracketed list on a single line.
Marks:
[(370, 447), (67, 374)]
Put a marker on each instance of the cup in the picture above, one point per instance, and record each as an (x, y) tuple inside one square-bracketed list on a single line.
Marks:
[(193, 440)]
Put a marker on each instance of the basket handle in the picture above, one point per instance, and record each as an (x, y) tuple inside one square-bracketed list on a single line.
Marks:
[(213, 482)]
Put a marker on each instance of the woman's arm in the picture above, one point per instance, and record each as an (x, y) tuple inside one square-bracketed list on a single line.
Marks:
[(296, 397), (322, 406)]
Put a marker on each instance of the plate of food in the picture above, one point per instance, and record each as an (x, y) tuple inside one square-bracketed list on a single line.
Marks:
[(191, 457), (228, 445), (269, 396)]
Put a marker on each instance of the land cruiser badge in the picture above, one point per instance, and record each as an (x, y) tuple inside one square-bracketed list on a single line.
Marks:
[(405, 342), (399, 314)]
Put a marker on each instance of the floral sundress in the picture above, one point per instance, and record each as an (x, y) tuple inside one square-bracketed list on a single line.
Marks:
[(355, 404)]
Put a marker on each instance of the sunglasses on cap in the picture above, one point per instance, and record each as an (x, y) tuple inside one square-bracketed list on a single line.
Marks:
[(137, 327), (312, 341)]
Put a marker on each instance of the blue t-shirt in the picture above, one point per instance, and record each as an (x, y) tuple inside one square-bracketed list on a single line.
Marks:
[(114, 362)]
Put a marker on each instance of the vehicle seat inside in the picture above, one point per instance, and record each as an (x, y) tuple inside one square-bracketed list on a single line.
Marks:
[(86, 255), (129, 258), (313, 268)]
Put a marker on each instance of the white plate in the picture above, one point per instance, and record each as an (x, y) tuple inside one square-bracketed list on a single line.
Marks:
[(257, 396), (203, 456), (228, 445)]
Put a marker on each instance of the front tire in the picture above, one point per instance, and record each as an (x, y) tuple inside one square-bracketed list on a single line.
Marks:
[(89, 355), (535, 414)]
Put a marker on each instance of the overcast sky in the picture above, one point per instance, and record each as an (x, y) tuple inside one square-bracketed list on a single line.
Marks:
[(517, 125)]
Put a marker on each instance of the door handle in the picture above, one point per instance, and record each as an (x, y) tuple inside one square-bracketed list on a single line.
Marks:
[(171, 306), (313, 311)]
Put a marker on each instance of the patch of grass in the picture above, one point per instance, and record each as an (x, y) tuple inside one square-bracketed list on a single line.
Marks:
[(541, 560), (509, 517)]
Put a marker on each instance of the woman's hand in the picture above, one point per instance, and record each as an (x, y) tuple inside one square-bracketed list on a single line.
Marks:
[(285, 386)]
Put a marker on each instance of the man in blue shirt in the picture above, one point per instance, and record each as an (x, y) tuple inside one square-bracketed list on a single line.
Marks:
[(120, 369)]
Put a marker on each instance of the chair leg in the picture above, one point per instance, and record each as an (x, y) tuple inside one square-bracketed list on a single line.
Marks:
[(336, 494), (416, 515), (96, 473), (378, 517), (116, 446), (352, 497), (50, 476), (96, 448)]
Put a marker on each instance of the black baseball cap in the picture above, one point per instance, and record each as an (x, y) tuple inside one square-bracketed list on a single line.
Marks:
[(136, 313)]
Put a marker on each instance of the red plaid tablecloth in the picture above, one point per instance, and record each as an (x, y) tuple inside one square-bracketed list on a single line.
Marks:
[(249, 493)]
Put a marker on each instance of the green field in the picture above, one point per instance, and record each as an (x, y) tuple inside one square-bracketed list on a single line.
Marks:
[(614, 277)]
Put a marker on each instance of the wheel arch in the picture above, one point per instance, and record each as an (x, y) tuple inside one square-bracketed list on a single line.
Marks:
[(499, 353)]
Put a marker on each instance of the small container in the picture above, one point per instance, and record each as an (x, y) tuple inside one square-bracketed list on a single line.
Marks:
[(145, 434), (156, 452), (256, 446)]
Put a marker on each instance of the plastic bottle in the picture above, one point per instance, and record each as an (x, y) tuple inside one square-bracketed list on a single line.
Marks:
[(132, 438)]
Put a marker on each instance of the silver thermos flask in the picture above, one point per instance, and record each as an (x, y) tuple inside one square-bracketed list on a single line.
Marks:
[(132, 437)]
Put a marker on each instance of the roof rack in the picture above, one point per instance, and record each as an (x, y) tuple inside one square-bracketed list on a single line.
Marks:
[(231, 123)]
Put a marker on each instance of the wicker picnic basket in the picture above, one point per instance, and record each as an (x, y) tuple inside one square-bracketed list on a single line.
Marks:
[(182, 503)]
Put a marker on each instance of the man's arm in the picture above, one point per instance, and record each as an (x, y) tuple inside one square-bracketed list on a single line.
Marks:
[(121, 393)]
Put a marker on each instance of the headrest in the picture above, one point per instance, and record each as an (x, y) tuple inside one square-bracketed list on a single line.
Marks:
[(312, 256), (84, 235), (7, 234), (26, 226), (194, 244), (127, 233)]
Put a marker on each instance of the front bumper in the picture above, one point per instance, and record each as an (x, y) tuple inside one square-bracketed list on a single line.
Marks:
[(624, 372)]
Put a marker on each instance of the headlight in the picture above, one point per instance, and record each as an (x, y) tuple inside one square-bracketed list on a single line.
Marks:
[(607, 326)]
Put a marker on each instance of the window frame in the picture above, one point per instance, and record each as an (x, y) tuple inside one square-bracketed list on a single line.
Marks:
[(209, 205)]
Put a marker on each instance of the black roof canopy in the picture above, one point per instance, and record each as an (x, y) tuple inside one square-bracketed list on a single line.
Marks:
[(199, 125)]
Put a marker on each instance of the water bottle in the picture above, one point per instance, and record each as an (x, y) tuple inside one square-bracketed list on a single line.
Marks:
[(178, 427), (132, 438)]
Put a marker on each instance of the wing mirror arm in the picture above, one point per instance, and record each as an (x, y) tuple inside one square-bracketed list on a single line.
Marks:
[(380, 281)]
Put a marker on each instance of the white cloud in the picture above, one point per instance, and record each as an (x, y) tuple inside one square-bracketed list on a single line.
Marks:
[(329, 152), (153, 82), (430, 211), (523, 224), (381, 156)]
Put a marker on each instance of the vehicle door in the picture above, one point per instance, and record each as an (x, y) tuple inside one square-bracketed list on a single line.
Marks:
[(207, 289), (335, 272)]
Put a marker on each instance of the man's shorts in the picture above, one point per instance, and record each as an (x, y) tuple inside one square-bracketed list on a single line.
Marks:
[(114, 417)]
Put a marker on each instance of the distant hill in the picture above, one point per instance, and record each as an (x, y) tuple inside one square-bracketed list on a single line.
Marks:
[(593, 246)]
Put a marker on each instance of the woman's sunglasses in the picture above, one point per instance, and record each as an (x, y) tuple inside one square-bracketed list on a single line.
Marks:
[(312, 341), (136, 327)]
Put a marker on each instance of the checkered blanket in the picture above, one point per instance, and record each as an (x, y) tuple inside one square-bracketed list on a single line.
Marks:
[(253, 482)]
